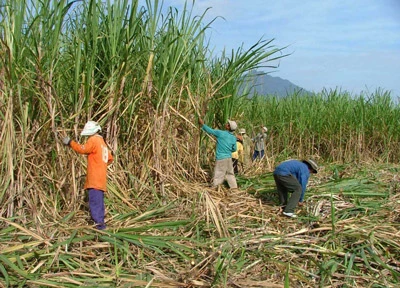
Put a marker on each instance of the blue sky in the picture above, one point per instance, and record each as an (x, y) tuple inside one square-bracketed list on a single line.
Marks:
[(352, 45)]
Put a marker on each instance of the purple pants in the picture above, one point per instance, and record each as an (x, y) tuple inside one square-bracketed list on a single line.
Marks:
[(96, 206)]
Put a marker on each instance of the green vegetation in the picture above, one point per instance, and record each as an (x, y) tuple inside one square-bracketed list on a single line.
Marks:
[(333, 125), (146, 75)]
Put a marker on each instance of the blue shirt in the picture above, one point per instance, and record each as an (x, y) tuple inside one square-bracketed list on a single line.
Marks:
[(297, 169), (226, 142)]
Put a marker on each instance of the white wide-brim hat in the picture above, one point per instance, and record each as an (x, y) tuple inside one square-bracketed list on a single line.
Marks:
[(312, 164)]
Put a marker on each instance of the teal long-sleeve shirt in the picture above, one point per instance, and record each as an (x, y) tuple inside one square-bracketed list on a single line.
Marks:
[(297, 169), (226, 142)]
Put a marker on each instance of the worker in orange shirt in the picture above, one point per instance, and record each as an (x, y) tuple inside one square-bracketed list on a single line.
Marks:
[(98, 157)]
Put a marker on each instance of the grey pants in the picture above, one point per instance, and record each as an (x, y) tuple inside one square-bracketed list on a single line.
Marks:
[(285, 185), (224, 168)]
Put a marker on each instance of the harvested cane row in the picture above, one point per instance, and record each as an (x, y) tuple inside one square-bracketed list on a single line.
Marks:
[(212, 238)]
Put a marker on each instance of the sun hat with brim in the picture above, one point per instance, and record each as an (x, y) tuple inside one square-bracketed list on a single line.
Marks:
[(312, 164), (242, 131), (232, 124), (91, 128)]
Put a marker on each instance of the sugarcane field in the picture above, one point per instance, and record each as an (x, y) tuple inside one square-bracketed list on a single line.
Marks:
[(163, 205)]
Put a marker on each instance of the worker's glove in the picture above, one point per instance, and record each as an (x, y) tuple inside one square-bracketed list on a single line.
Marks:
[(66, 140)]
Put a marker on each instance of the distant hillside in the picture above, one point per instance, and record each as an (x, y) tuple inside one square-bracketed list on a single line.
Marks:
[(264, 84)]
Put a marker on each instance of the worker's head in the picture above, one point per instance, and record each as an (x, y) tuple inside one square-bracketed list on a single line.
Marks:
[(91, 128), (312, 165), (242, 131), (231, 125)]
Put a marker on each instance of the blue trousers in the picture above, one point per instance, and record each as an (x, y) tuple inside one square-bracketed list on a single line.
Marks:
[(258, 154), (96, 206)]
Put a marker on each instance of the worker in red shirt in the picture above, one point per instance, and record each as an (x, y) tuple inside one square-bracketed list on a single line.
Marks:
[(98, 157)]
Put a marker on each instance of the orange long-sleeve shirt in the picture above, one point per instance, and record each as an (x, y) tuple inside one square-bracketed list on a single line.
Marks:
[(99, 157)]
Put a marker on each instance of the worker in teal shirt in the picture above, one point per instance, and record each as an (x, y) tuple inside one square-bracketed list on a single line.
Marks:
[(292, 176), (226, 144)]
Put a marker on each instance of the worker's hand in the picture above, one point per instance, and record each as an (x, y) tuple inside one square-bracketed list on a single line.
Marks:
[(201, 122), (66, 140)]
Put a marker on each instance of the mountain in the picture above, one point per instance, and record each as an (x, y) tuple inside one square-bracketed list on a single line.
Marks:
[(263, 84)]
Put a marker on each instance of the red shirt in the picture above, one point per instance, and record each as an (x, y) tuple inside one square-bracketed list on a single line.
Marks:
[(98, 158)]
